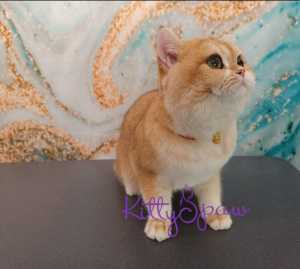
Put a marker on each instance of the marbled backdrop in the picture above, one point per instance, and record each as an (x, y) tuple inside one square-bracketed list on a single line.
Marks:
[(69, 71)]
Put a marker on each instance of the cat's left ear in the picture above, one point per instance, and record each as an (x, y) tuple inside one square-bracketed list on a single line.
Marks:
[(167, 46)]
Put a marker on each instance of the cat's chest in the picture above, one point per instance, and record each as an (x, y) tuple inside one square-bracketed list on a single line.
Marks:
[(195, 163)]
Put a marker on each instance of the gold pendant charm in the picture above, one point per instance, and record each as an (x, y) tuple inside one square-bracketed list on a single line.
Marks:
[(216, 138)]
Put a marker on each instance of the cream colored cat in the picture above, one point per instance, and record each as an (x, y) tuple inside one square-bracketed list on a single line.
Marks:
[(183, 133)]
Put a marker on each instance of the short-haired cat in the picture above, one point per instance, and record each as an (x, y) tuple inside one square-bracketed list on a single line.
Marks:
[(184, 132)]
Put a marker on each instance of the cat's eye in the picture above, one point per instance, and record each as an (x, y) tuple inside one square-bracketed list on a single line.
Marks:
[(215, 61), (240, 61)]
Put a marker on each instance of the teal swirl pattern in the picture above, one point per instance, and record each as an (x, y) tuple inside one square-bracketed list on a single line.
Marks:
[(271, 124)]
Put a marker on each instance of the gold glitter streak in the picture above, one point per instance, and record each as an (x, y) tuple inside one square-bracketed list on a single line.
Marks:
[(28, 141), (19, 93), (224, 10), (105, 148), (129, 18)]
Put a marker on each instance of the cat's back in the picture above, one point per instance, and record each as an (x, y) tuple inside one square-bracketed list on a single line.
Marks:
[(137, 111)]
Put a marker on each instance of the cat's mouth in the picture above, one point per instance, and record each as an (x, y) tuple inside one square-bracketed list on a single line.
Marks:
[(237, 87), (245, 84)]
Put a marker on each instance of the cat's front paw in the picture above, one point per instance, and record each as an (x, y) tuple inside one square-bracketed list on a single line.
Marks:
[(157, 229), (219, 222)]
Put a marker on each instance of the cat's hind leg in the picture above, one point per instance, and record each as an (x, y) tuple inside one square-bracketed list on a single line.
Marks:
[(126, 177)]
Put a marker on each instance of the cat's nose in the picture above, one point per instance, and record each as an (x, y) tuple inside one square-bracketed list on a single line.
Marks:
[(241, 72)]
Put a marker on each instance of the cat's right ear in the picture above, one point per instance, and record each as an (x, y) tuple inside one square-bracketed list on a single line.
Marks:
[(167, 46)]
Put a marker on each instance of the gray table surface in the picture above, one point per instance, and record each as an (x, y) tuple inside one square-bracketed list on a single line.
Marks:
[(69, 215)]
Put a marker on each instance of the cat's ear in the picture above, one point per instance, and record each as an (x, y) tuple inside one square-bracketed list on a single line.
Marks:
[(167, 46)]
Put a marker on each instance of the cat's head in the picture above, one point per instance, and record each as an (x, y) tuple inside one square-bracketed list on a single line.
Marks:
[(195, 70)]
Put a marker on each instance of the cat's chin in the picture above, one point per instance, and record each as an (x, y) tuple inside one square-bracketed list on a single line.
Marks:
[(240, 89), (233, 101), (238, 92)]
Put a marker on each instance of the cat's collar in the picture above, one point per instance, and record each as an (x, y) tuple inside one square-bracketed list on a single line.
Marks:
[(216, 137), (187, 137)]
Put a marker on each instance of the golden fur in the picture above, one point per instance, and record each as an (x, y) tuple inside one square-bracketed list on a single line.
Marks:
[(154, 155)]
